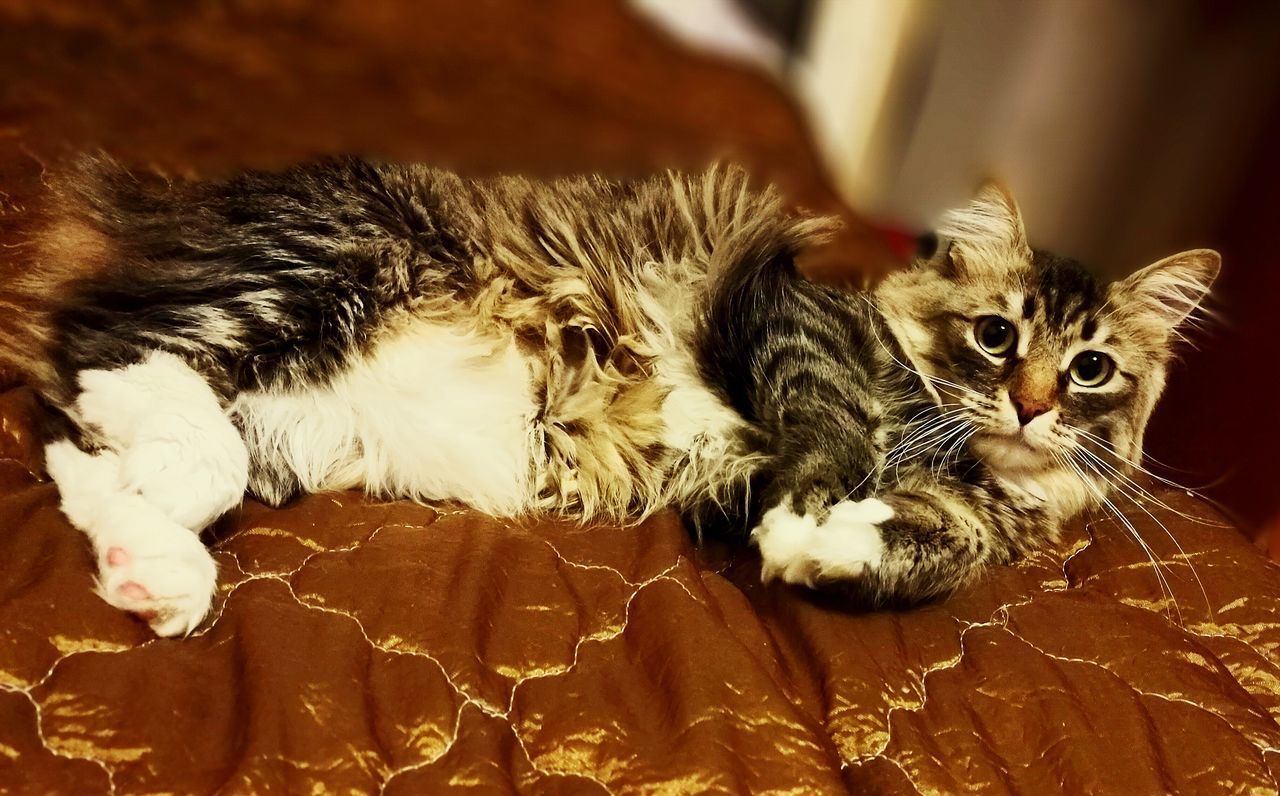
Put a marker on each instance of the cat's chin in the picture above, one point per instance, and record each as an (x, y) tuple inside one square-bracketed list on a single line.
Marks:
[(1027, 467), (1012, 452)]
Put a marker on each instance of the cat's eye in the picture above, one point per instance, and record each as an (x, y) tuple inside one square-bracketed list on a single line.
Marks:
[(1092, 369), (995, 335)]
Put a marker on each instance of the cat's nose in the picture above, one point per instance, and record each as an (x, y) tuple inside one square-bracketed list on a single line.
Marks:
[(1029, 409)]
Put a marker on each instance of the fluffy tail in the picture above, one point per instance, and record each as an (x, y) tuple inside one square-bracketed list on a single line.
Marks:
[(65, 238), (26, 300)]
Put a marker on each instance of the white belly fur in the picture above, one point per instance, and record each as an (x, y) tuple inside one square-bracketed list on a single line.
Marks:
[(434, 413)]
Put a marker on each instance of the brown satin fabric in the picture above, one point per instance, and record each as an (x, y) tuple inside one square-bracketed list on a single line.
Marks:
[(358, 645)]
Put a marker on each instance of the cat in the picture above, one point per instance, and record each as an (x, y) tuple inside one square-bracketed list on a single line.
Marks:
[(591, 348)]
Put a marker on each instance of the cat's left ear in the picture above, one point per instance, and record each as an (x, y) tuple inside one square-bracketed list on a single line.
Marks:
[(1172, 289)]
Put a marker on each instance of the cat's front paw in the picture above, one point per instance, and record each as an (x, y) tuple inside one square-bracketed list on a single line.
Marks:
[(169, 583), (797, 549)]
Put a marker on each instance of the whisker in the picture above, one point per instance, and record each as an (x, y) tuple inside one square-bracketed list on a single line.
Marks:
[(893, 457), (927, 378), (1165, 588), (920, 438), (1121, 490), (1144, 493), (925, 441), (957, 448), (934, 444), (938, 461), (859, 485), (1110, 449), (924, 426), (932, 408)]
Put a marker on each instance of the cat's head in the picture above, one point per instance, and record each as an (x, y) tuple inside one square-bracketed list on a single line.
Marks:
[(1040, 357)]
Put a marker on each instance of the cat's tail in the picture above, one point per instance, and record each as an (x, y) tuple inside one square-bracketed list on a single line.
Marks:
[(746, 235), (28, 293), (65, 239)]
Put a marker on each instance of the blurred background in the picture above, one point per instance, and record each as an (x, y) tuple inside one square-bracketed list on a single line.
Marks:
[(1129, 129)]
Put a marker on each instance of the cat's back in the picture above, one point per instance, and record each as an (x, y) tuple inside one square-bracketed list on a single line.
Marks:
[(560, 372), (511, 343)]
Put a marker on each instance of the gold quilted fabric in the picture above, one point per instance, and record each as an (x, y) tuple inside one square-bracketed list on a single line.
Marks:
[(360, 646)]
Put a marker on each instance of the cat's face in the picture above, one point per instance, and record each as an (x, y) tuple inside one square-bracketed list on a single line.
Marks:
[(1039, 359)]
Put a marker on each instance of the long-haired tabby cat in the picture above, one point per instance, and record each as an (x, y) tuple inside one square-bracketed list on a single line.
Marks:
[(590, 348)]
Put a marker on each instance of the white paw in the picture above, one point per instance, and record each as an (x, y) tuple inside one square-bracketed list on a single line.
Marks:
[(83, 479), (109, 401), (178, 449), (192, 481), (167, 581), (120, 401), (796, 549), (147, 564), (74, 470)]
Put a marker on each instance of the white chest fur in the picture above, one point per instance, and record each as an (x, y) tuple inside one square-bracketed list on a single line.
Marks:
[(1061, 493), (434, 413)]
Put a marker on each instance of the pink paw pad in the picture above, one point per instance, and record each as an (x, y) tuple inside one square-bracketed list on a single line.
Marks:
[(116, 557), (134, 591)]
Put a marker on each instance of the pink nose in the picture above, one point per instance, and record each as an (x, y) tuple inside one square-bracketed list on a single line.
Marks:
[(1029, 409)]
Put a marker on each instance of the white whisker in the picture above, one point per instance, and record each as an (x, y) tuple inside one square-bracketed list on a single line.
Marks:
[(1110, 450), (925, 439), (1140, 490), (1120, 488), (1165, 588), (927, 378), (944, 448)]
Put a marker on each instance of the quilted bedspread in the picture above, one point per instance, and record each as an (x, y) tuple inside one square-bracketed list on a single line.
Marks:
[(359, 646)]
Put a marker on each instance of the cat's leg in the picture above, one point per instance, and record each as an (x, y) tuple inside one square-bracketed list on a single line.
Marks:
[(175, 463), (177, 447), (147, 564), (901, 547), (819, 486)]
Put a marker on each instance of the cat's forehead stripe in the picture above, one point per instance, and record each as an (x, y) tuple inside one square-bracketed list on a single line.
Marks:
[(1066, 291)]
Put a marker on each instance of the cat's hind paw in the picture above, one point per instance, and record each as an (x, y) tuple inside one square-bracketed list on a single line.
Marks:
[(148, 565), (797, 549), (169, 583)]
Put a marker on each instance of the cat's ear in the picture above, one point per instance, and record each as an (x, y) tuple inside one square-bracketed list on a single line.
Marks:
[(1171, 290), (986, 235)]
